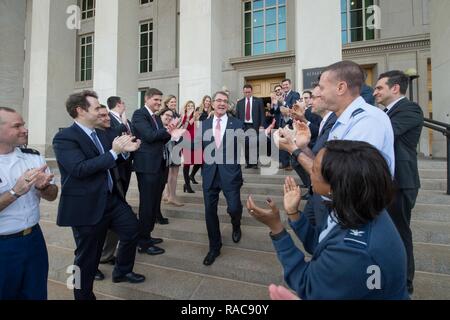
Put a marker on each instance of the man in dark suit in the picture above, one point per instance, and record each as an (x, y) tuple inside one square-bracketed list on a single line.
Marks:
[(150, 165), (407, 122), (290, 98), (90, 202), (250, 110), (120, 123), (221, 172)]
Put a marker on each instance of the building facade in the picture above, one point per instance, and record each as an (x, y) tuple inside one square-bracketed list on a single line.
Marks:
[(189, 48)]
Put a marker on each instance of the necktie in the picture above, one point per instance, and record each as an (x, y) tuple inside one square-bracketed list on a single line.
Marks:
[(102, 151), (386, 110), (218, 133), (247, 111), (156, 122)]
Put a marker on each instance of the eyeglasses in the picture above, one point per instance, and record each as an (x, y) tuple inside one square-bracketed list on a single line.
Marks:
[(221, 101)]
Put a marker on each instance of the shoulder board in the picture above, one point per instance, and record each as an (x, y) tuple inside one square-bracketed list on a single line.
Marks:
[(358, 238), (30, 151), (357, 111)]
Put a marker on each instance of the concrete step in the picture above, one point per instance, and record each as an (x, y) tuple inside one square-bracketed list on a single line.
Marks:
[(440, 164), (236, 264), (433, 173), (431, 286)]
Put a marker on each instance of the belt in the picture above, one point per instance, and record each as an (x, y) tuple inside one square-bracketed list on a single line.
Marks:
[(22, 233)]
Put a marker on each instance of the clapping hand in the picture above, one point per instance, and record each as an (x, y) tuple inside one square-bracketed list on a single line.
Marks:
[(270, 216), (126, 143), (303, 134), (284, 140), (298, 111), (281, 293), (292, 196), (28, 180), (285, 111), (43, 179)]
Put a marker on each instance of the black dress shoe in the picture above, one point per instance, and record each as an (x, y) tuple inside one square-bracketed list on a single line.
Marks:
[(130, 277), (211, 257), (99, 276), (188, 189), (236, 236), (162, 220), (152, 250), (111, 261), (154, 241)]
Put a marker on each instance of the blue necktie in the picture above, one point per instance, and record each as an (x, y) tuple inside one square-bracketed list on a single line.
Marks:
[(102, 151)]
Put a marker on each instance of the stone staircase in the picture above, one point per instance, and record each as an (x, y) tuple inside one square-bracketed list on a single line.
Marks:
[(244, 270)]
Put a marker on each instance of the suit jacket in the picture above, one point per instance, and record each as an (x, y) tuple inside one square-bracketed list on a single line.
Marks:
[(341, 263), (407, 122), (150, 156), (323, 137), (258, 113), (314, 125), (124, 169), (291, 98), (230, 174), (84, 177)]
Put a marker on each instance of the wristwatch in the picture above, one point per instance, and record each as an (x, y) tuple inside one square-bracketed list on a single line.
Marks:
[(296, 153), (14, 194)]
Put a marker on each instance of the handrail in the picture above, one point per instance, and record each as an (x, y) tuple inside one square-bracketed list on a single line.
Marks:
[(443, 128)]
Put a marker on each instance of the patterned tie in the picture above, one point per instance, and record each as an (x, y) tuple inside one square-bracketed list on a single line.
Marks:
[(247, 112), (218, 133), (156, 122), (102, 151)]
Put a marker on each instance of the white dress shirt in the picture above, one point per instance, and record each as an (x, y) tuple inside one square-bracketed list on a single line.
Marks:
[(390, 106)]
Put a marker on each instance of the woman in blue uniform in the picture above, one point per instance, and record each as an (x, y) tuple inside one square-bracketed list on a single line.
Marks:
[(357, 253)]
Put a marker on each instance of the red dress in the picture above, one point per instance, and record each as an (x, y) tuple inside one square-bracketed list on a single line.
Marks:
[(190, 155)]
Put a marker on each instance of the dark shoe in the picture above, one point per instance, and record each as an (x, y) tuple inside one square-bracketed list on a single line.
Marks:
[(154, 241), (187, 189), (130, 277), (111, 261), (99, 276), (192, 178), (162, 220), (236, 234), (152, 250), (249, 166), (211, 257)]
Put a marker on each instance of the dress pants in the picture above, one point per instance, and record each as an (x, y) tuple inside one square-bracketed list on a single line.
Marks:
[(400, 212), (89, 240), (251, 148), (110, 246), (151, 186), (24, 267), (234, 209)]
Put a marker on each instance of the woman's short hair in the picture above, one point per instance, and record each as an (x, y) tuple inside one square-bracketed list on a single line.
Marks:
[(167, 100), (360, 180)]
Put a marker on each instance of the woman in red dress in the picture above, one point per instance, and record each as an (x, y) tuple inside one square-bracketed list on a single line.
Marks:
[(191, 156)]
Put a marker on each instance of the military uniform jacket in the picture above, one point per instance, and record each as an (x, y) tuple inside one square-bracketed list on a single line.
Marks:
[(346, 262)]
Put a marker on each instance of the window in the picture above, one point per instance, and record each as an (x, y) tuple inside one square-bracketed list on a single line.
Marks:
[(354, 19), (143, 2), (264, 26), (141, 97), (87, 9), (86, 57), (146, 47)]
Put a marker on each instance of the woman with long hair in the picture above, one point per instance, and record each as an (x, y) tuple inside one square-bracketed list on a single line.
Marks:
[(170, 103), (357, 252)]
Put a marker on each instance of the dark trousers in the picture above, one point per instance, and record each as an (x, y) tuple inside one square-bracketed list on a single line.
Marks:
[(89, 240), (24, 267), (251, 146), (400, 212), (150, 193), (234, 209)]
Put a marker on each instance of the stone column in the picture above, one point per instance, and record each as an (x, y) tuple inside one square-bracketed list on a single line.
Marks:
[(12, 54), (318, 35), (51, 78), (200, 49), (116, 51), (440, 60)]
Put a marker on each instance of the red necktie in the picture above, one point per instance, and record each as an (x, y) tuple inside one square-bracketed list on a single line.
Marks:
[(247, 112)]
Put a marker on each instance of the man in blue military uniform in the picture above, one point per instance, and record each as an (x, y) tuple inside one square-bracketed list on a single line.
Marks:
[(24, 180)]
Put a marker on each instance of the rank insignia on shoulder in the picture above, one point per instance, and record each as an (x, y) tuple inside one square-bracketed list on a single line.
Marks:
[(357, 111), (357, 238), (30, 151)]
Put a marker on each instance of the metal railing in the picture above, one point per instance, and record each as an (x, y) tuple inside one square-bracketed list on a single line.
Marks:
[(443, 128)]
